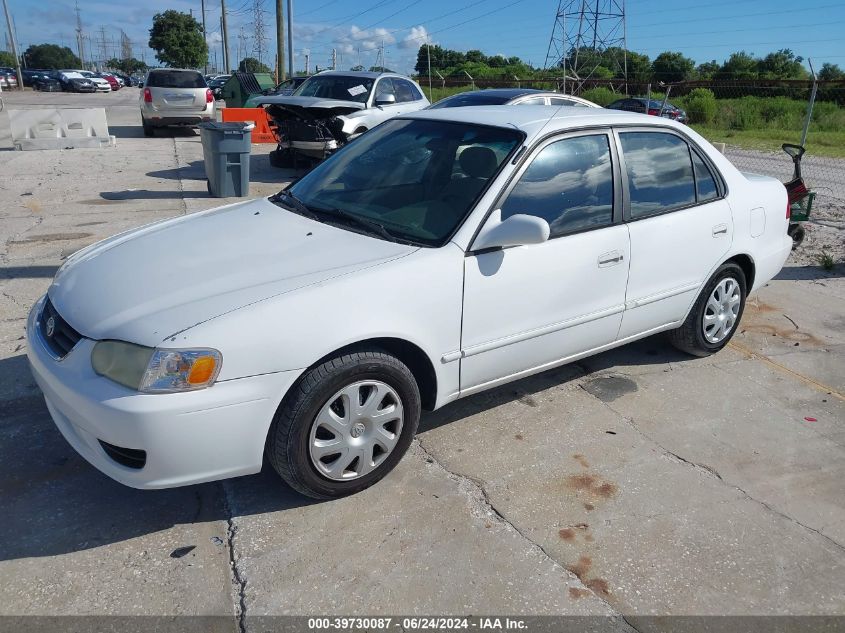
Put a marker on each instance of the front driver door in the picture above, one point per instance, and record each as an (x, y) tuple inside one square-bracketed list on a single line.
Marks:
[(531, 307)]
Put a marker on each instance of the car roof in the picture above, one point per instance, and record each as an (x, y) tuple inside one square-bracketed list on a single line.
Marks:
[(504, 93), (357, 73), (532, 119)]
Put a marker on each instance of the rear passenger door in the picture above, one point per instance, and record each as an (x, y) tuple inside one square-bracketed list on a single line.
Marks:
[(679, 222)]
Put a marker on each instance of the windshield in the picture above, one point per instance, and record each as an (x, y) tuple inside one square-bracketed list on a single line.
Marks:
[(340, 87), (418, 179)]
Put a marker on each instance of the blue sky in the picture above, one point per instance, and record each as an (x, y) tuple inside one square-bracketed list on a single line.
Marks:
[(703, 30)]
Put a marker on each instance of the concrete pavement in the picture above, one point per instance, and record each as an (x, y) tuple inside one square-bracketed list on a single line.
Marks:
[(638, 482)]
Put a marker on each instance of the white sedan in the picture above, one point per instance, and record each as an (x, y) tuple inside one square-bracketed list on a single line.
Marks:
[(443, 253)]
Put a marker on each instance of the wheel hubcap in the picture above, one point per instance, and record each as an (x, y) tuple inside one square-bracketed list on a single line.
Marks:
[(722, 310), (356, 429)]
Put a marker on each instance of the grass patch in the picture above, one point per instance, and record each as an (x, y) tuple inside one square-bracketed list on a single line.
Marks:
[(828, 143)]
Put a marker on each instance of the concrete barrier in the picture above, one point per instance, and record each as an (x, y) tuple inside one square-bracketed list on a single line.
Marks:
[(54, 128)]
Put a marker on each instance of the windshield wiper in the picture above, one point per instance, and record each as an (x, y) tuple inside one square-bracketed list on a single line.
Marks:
[(291, 201), (372, 225)]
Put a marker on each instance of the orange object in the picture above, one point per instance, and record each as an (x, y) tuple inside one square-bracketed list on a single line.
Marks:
[(262, 132), (202, 370)]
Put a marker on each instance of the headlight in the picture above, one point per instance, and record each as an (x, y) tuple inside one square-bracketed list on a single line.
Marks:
[(156, 370)]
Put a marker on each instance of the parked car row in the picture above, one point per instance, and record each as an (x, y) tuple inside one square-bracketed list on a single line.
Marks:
[(68, 80)]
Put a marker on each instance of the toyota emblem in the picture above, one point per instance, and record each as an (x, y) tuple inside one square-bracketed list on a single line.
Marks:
[(51, 326)]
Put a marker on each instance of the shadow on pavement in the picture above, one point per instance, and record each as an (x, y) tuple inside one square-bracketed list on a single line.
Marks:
[(147, 194), (809, 273), (27, 272), (654, 350), (260, 170)]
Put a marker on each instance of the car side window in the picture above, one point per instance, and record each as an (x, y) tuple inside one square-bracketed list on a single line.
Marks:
[(533, 101), (560, 101), (384, 89), (659, 172), (405, 91), (705, 184), (569, 184)]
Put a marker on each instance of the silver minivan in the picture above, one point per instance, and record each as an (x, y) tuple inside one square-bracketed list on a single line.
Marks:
[(173, 96)]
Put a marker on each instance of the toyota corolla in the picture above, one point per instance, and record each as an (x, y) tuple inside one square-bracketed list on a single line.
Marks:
[(443, 253)]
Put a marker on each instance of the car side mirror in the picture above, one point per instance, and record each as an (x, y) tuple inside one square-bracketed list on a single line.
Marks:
[(386, 100), (517, 230)]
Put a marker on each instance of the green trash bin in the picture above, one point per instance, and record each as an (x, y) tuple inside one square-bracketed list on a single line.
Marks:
[(225, 150)]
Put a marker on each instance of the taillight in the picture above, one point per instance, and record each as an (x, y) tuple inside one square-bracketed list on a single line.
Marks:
[(209, 98), (788, 210), (148, 96), (653, 112)]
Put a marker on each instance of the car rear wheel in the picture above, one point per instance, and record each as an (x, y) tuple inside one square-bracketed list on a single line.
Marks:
[(715, 315), (148, 129), (345, 424)]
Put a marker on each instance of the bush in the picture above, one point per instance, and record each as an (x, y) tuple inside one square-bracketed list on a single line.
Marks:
[(601, 96), (701, 106), (744, 114)]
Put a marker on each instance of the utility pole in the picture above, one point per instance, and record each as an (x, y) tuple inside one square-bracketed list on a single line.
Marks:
[(14, 45), (280, 43), (334, 59), (226, 60), (204, 34), (383, 54), (290, 38), (307, 62), (428, 54)]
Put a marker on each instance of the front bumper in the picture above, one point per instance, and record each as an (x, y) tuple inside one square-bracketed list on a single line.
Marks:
[(188, 438)]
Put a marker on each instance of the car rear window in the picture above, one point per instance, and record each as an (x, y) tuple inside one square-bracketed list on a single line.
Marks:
[(175, 79)]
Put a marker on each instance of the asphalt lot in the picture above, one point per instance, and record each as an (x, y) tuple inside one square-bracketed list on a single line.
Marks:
[(638, 482)]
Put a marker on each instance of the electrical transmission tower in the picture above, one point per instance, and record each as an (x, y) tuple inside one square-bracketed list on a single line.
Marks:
[(588, 34), (125, 46), (260, 38), (80, 37)]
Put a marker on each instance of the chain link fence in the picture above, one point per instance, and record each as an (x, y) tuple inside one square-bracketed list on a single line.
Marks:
[(753, 118)]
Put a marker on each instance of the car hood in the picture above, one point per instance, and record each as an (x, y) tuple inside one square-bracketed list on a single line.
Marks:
[(311, 106), (150, 283)]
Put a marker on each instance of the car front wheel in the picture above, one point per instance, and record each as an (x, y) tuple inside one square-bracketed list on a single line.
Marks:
[(345, 424), (715, 315)]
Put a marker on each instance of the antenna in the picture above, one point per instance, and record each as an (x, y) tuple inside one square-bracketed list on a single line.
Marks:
[(588, 34)]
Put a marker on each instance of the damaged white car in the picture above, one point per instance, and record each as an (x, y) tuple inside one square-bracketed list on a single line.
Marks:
[(333, 107)]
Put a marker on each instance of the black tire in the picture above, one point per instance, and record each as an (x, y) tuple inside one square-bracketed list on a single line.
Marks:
[(287, 442), (689, 337), (148, 129)]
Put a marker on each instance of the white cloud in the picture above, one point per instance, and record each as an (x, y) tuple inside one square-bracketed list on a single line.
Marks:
[(415, 38)]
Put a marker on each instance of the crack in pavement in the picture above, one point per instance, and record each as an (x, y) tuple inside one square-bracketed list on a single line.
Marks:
[(707, 470), (482, 499), (179, 182), (237, 579)]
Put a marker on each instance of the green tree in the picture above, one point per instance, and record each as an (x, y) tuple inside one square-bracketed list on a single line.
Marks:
[(707, 70), (670, 67), (831, 72), (178, 40), (739, 65), (357, 68), (782, 64), (252, 65), (127, 66), (377, 69), (50, 56), (639, 67), (7, 59)]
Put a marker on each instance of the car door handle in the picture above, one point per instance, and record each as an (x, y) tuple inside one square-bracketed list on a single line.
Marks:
[(610, 259), (720, 229)]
